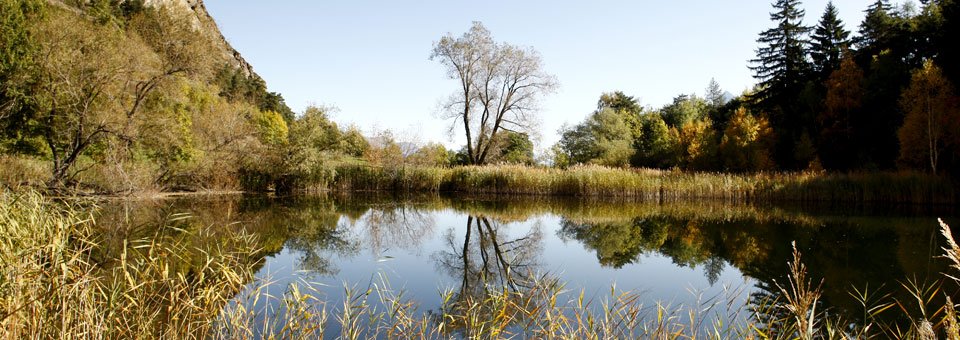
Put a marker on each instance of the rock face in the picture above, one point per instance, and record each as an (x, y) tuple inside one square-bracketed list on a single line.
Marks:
[(202, 22), (205, 24)]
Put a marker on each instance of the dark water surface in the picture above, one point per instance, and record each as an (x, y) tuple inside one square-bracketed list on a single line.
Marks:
[(674, 252)]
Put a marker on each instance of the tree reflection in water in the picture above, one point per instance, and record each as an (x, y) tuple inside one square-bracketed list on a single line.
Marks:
[(396, 226), (488, 260), (847, 252), (618, 243)]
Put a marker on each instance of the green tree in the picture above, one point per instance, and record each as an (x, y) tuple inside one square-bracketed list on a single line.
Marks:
[(931, 121), (431, 155), (236, 85), (685, 109), (515, 148), (626, 106), (875, 28), (781, 58), (500, 87), (948, 56), (619, 102), (89, 87), (829, 42), (272, 128), (655, 148), (17, 60), (314, 129), (603, 138), (354, 143), (884, 80)]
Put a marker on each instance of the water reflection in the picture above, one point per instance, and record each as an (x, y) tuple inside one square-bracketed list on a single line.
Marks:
[(396, 226), (489, 259), (842, 252), (495, 243)]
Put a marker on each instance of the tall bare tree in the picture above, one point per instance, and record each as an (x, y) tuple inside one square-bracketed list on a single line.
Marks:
[(500, 87)]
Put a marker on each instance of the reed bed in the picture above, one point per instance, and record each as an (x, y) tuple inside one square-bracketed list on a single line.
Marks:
[(55, 283), (598, 181)]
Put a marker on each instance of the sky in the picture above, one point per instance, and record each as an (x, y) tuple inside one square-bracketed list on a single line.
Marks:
[(371, 60)]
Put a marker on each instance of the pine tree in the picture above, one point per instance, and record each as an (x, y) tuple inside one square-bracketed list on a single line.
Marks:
[(714, 94), (781, 60), (829, 41), (782, 69), (875, 25)]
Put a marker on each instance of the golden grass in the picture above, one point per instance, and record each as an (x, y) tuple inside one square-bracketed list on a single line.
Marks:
[(599, 181)]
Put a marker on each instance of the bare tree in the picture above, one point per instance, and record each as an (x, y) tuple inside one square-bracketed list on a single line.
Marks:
[(500, 87)]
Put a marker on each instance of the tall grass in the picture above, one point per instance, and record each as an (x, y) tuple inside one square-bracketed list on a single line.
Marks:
[(586, 181), (18, 171), (55, 282)]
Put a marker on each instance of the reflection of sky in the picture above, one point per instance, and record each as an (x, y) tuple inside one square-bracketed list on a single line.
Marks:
[(412, 268)]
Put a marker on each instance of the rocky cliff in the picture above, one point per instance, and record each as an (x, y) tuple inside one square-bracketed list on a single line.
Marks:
[(207, 26), (202, 22)]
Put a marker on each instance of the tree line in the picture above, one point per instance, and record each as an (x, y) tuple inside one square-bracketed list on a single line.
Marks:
[(116, 96), (883, 98)]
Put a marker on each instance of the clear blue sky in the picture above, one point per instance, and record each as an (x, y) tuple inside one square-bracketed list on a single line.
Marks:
[(370, 58)]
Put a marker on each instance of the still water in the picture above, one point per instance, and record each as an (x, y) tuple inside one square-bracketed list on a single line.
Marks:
[(675, 253)]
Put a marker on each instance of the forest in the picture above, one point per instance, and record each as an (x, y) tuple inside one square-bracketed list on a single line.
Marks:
[(882, 98), (116, 97)]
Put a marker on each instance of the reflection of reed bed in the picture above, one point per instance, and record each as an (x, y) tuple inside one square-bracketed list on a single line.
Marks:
[(594, 210), (50, 287), (653, 184), (53, 285)]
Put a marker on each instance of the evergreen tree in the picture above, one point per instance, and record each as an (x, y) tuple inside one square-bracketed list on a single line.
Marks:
[(618, 101), (830, 41), (781, 60), (949, 51), (875, 26), (782, 68), (715, 97)]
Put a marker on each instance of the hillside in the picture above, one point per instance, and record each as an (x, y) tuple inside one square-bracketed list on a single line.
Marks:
[(129, 96)]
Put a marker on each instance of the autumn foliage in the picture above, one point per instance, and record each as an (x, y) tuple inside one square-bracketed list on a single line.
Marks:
[(928, 138)]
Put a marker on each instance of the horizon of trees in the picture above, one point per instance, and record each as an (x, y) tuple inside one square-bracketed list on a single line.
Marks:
[(116, 97)]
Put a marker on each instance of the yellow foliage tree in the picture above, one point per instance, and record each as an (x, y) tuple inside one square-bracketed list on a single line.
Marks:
[(272, 128), (697, 145), (746, 143), (931, 118)]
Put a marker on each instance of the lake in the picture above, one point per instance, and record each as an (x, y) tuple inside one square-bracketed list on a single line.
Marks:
[(677, 253)]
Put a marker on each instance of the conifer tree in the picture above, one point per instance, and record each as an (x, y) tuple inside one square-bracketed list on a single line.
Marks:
[(874, 27), (782, 69), (781, 59), (829, 41)]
